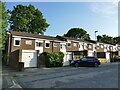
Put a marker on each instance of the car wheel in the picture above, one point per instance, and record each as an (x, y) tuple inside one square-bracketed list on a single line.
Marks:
[(76, 64), (96, 65)]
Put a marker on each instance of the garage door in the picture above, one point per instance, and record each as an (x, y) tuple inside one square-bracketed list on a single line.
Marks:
[(90, 53), (68, 57), (29, 57)]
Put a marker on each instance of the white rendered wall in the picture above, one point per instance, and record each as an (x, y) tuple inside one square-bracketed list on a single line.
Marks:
[(39, 48)]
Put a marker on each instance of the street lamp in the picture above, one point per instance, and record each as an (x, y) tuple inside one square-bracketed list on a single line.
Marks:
[(95, 52), (95, 35)]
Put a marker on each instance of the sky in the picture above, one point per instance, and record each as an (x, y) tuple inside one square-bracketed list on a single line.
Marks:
[(91, 16)]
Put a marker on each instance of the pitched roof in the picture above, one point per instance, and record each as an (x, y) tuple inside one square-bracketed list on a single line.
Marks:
[(59, 38), (68, 38), (75, 39), (26, 34)]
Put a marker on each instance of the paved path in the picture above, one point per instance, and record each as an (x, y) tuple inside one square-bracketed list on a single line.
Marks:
[(8, 80)]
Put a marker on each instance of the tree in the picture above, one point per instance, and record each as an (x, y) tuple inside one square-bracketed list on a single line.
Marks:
[(116, 40), (105, 38), (77, 33), (3, 28), (99, 38), (3, 24), (27, 19), (108, 39)]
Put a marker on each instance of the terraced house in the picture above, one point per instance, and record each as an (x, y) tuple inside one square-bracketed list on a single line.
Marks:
[(26, 47)]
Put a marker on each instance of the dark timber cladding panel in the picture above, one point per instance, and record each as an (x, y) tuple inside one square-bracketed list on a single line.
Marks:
[(74, 46), (56, 46), (53, 47), (90, 46), (47, 49), (100, 48), (14, 59), (13, 48), (24, 44)]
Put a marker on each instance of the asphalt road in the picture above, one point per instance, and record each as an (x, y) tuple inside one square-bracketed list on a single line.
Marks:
[(105, 76)]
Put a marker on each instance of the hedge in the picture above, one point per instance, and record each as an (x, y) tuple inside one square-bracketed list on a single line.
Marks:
[(54, 59)]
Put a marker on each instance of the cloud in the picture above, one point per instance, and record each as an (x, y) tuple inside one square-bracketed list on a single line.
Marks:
[(105, 9)]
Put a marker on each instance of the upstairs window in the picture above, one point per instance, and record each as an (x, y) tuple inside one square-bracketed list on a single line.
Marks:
[(29, 42), (75, 44), (89, 46), (55, 44), (17, 42), (47, 45), (111, 47), (39, 44), (69, 44), (102, 46), (63, 46)]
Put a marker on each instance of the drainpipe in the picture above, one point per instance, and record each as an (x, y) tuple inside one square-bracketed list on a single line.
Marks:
[(52, 46), (83, 50), (95, 51), (9, 40)]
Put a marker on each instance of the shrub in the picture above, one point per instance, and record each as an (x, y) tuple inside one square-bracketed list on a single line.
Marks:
[(117, 58), (54, 59)]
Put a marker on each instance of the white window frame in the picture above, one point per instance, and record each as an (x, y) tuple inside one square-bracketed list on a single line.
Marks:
[(111, 47), (102, 46), (27, 42), (75, 44), (55, 44), (38, 43), (118, 47), (68, 43), (89, 46), (46, 43), (19, 39), (63, 46)]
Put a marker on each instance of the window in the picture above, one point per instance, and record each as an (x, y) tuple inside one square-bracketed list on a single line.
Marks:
[(90, 58), (101, 46), (39, 44), (62, 46), (111, 47), (118, 47), (29, 42), (47, 45), (55, 44), (75, 44), (89, 46), (17, 42), (69, 44), (84, 59)]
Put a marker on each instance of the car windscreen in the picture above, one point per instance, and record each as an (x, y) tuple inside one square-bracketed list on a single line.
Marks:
[(90, 58)]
